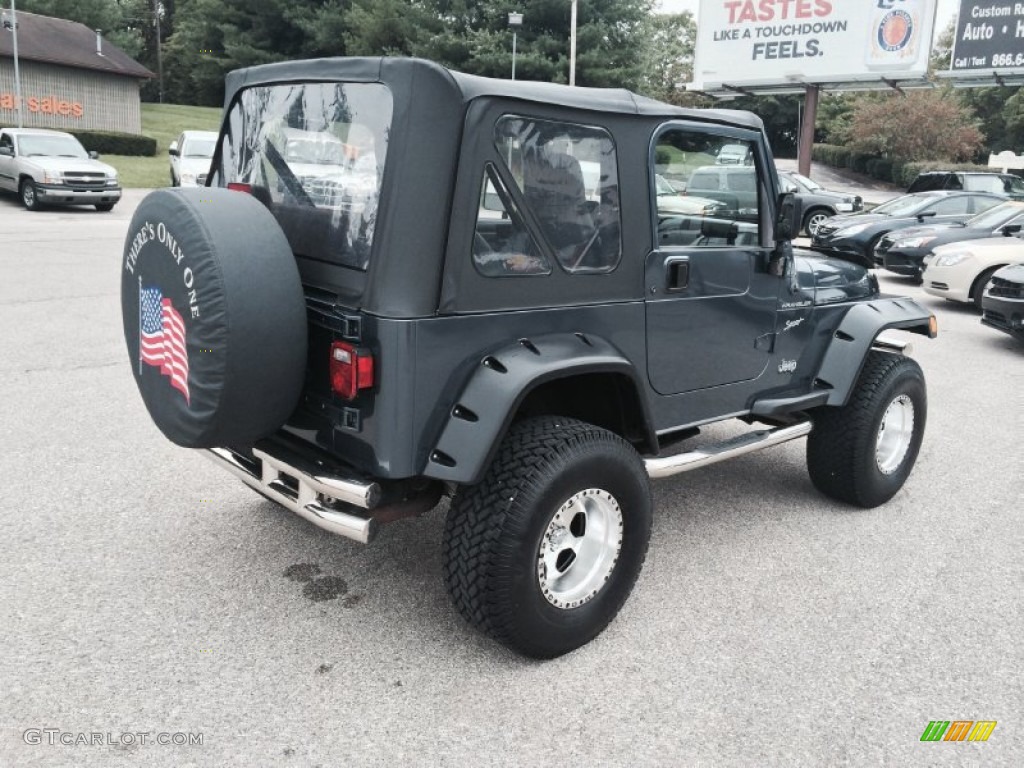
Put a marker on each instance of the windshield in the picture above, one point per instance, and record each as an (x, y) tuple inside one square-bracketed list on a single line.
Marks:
[(50, 145), (997, 216), (804, 181), (1014, 184), (314, 154), (664, 186), (200, 147), (907, 205)]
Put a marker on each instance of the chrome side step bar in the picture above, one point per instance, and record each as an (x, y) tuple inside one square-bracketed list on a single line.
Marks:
[(737, 446), (305, 491)]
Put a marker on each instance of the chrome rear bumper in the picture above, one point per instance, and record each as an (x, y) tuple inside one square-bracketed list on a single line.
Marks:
[(305, 489)]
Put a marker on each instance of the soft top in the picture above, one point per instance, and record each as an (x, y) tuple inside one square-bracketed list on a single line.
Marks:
[(437, 83)]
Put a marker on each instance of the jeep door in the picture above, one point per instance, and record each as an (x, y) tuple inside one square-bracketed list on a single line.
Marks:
[(710, 300)]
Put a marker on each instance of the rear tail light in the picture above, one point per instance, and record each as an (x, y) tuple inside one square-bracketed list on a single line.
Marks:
[(351, 370), (238, 186)]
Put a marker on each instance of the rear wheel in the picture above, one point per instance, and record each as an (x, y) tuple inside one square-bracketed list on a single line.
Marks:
[(29, 194), (544, 551), (863, 452)]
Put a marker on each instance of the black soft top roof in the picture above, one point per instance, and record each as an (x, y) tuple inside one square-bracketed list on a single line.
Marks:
[(437, 84)]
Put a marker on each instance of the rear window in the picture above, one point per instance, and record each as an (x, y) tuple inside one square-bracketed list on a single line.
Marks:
[(314, 154)]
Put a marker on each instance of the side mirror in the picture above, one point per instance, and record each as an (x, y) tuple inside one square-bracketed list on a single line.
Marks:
[(925, 215), (1011, 229), (787, 223), (94, 155), (173, 149)]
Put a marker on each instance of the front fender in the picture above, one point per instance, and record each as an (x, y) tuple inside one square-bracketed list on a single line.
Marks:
[(498, 385), (856, 334)]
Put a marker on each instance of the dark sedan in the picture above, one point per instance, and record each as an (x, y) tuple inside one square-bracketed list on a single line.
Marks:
[(1002, 304), (903, 252), (817, 203), (854, 236)]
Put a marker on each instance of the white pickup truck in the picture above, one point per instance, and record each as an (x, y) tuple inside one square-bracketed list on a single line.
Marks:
[(52, 168)]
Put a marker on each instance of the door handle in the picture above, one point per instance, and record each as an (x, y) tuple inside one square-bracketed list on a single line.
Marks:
[(677, 274)]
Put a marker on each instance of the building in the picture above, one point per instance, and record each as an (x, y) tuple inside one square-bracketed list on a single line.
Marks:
[(71, 78)]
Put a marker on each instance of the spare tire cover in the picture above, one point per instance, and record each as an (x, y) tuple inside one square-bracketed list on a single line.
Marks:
[(214, 316)]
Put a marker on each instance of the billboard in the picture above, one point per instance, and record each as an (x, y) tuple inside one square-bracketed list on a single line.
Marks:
[(989, 36), (751, 43)]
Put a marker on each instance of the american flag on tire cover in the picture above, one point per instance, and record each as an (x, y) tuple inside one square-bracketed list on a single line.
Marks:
[(162, 338)]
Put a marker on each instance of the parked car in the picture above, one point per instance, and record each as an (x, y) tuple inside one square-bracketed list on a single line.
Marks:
[(1002, 303), (903, 252), (854, 236), (970, 181), (734, 186), (671, 203), (52, 168), (816, 202), (734, 154), (190, 156), (960, 271), (355, 364)]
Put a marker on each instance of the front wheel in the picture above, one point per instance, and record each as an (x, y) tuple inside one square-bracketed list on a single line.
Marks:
[(29, 194), (544, 551), (813, 220), (863, 452), (104, 207)]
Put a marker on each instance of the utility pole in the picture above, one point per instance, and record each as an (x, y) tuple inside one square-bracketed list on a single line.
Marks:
[(572, 46), (155, 5), (12, 24)]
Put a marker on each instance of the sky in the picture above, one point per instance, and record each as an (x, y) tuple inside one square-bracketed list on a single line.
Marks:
[(947, 10)]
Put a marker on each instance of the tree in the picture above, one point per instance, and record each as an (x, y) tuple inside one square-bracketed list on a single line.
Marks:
[(666, 59), (116, 18), (920, 125)]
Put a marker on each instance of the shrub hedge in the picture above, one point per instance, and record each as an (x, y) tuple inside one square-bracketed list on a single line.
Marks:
[(884, 168), (113, 143)]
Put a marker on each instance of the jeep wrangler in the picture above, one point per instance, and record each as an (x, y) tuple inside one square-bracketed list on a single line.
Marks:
[(462, 286)]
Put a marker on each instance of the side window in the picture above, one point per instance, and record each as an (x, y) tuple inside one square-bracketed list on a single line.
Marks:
[(951, 206), (7, 141), (716, 203), (502, 245), (567, 175)]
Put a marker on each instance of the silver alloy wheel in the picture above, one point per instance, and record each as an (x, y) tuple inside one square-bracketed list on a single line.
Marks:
[(815, 222), (895, 434), (28, 194), (579, 549)]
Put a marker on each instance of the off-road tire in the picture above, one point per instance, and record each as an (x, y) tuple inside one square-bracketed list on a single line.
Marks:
[(843, 449), (495, 529), (104, 207), (29, 195)]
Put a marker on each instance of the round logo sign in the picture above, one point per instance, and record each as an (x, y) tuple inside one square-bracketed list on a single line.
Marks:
[(895, 31)]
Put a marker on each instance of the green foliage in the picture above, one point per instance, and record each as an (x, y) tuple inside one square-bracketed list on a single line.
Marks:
[(830, 154), (667, 58), (118, 19), (780, 115), (114, 143), (918, 125), (835, 114)]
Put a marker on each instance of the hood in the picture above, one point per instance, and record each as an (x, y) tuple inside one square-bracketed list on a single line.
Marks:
[(195, 165), (832, 279), (1013, 273), (849, 219), (73, 164), (934, 230), (1003, 246)]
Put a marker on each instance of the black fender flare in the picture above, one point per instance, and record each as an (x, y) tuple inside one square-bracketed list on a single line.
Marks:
[(483, 412), (857, 333)]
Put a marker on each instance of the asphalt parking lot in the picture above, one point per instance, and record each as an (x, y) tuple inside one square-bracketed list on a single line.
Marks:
[(145, 592)]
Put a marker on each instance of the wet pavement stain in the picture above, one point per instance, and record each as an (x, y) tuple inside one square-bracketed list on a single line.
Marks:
[(302, 571), (352, 601), (325, 588), (323, 669)]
